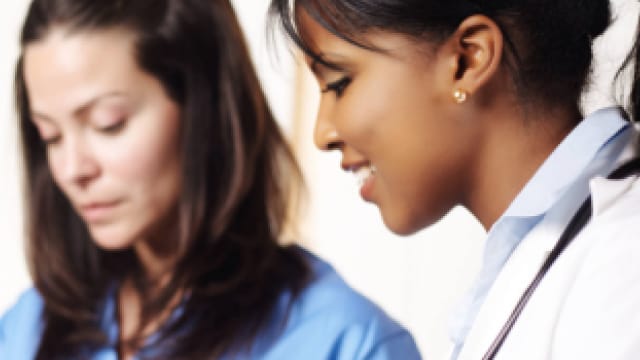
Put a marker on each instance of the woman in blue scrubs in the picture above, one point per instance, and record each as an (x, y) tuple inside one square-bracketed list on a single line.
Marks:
[(156, 183), (437, 103)]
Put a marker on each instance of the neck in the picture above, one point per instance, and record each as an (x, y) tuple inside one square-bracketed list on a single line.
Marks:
[(157, 265), (158, 253), (515, 145), (157, 256)]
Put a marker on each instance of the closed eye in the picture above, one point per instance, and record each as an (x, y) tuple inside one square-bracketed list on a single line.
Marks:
[(53, 140), (338, 86), (113, 129)]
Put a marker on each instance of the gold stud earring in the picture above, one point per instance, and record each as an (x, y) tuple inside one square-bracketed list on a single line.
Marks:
[(460, 96)]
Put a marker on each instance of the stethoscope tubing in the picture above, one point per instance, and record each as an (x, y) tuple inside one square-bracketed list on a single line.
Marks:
[(577, 223)]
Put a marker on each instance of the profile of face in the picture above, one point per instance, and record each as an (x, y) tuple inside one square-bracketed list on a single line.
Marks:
[(111, 132), (392, 116)]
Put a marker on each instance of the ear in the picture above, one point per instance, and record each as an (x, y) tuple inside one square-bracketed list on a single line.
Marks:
[(474, 53)]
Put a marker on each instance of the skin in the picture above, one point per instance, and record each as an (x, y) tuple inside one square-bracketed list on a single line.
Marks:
[(396, 112), (112, 137)]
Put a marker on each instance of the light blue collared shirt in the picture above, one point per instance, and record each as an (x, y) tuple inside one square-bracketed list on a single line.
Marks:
[(591, 147), (328, 320)]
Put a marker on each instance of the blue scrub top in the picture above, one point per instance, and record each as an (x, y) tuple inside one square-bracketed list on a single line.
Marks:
[(329, 320)]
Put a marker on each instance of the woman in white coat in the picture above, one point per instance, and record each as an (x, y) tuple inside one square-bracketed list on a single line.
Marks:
[(439, 103)]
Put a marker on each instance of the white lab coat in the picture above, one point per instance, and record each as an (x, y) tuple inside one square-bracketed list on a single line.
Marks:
[(588, 305)]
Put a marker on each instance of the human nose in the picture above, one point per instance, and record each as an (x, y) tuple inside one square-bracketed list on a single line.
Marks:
[(77, 165), (325, 134)]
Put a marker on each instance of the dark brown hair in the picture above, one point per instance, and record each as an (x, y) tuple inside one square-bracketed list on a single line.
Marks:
[(548, 42), (237, 172)]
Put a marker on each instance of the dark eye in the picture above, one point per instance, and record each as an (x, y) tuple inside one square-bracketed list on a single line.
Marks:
[(338, 86)]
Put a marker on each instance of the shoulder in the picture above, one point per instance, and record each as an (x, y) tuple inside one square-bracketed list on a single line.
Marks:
[(329, 294), (601, 308), (613, 245), (330, 320), (27, 309), (615, 227), (20, 326)]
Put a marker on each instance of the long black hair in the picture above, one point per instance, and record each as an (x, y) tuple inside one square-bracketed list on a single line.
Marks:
[(237, 172), (548, 42)]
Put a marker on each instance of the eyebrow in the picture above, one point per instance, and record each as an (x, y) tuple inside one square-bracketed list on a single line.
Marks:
[(82, 108), (319, 60)]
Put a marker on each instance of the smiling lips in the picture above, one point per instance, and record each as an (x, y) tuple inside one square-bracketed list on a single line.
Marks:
[(97, 211), (365, 175)]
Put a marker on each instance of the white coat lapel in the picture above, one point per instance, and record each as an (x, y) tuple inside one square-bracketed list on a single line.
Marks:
[(526, 260), (512, 281), (519, 271), (605, 192)]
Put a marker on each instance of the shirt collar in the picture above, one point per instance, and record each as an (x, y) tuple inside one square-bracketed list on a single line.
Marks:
[(567, 162)]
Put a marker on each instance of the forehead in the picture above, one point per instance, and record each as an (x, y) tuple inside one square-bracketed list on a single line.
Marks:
[(64, 67), (369, 43)]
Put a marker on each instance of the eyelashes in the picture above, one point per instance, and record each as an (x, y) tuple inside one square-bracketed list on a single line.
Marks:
[(113, 129), (51, 140), (338, 86)]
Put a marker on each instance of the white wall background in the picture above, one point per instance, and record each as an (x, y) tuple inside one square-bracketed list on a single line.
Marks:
[(416, 279), (13, 273)]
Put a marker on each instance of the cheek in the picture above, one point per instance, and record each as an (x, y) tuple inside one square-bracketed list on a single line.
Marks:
[(58, 167), (422, 151), (362, 113), (146, 159), (139, 160), (56, 164), (415, 147), (387, 111)]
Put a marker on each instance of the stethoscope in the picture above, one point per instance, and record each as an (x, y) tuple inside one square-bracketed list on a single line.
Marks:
[(579, 220)]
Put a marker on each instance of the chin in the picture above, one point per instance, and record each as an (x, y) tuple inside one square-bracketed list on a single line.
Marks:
[(399, 227), (111, 239), (403, 231), (406, 226)]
